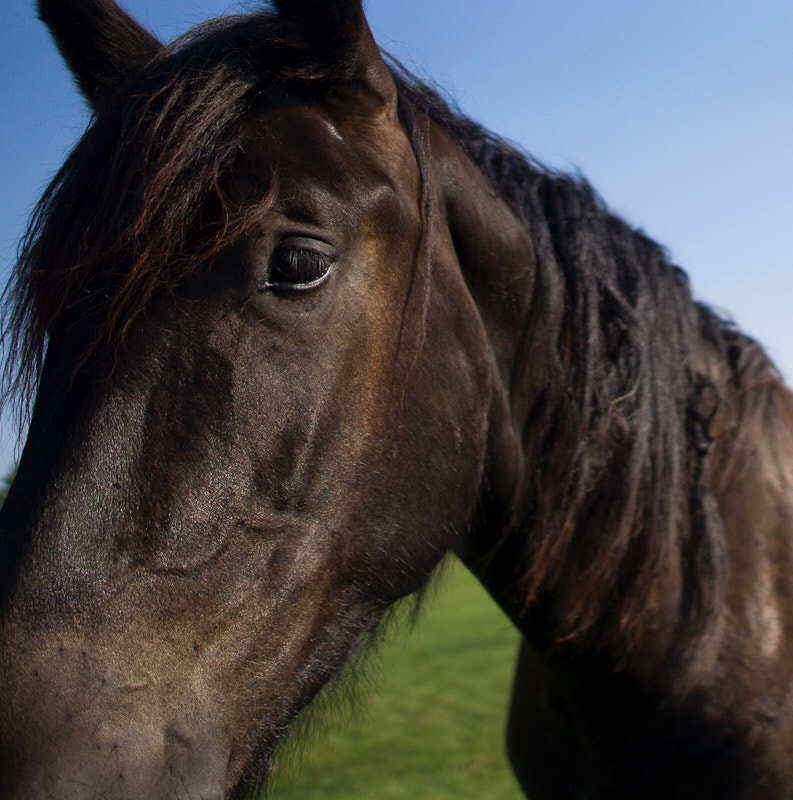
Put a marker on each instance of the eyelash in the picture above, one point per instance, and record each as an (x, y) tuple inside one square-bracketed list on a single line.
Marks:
[(296, 269)]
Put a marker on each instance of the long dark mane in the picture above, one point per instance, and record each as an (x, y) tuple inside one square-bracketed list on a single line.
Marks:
[(619, 437)]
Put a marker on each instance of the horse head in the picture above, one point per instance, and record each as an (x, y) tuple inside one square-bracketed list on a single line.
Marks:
[(265, 394)]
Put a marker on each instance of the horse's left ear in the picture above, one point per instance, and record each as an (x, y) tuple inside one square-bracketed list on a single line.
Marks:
[(100, 42), (339, 37)]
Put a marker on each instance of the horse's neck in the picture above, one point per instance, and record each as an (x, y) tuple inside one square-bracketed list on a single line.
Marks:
[(753, 486), (712, 685), (496, 254)]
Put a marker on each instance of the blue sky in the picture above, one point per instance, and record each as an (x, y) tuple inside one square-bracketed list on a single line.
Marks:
[(680, 113)]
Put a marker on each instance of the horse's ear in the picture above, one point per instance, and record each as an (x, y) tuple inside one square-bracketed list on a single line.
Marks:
[(99, 41), (339, 36)]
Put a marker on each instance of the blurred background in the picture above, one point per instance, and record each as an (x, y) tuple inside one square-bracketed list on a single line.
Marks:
[(679, 113)]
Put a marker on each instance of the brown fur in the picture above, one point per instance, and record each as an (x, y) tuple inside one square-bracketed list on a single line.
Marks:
[(243, 478)]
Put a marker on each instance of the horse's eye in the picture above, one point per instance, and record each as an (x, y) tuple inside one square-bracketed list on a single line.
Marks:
[(297, 269)]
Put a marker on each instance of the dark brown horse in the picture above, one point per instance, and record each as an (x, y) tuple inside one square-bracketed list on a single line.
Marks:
[(295, 330)]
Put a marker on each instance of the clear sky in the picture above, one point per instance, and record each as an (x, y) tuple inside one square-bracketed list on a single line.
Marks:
[(680, 113)]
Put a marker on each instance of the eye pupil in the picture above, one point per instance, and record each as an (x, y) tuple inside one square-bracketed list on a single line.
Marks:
[(297, 266)]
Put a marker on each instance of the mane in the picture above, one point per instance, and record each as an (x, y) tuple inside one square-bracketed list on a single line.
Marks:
[(619, 437), (619, 440)]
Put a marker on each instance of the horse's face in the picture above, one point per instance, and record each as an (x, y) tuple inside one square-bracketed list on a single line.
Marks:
[(210, 517)]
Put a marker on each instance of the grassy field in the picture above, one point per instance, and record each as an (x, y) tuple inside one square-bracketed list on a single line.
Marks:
[(431, 712)]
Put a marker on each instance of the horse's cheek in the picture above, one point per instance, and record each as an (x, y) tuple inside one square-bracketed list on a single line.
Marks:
[(443, 446)]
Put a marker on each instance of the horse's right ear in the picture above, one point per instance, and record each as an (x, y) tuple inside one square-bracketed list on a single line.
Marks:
[(339, 36), (99, 41)]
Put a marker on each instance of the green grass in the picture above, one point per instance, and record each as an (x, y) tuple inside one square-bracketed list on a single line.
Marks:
[(430, 727)]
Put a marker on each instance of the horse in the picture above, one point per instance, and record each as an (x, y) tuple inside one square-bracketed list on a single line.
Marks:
[(290, 329)]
